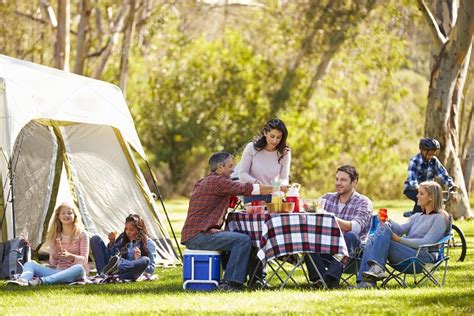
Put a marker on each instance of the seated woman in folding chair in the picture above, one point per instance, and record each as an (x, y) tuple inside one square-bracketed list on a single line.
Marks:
[(423, 228)]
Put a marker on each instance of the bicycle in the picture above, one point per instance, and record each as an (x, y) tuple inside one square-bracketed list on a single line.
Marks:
[(457, 244)]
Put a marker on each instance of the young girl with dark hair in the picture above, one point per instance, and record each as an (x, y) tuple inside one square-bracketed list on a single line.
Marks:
[(137, 252)]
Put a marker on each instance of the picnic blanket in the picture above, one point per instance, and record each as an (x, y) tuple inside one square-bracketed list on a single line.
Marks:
[(108, 279)]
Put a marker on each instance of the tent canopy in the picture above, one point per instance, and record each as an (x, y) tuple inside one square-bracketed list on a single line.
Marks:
[(67, 137)]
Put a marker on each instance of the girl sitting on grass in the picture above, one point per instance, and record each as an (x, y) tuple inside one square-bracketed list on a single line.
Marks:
[(68, 251), (137, 252)]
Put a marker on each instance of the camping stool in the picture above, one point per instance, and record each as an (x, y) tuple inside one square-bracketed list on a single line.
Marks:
[(201, 270)]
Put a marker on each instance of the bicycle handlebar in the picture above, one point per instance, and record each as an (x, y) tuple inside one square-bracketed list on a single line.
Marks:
[(448, 194)]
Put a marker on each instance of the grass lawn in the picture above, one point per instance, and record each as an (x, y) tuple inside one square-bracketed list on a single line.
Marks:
[(166, 296)]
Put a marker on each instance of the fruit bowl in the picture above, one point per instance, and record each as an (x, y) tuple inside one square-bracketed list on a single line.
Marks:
[(281, 208)]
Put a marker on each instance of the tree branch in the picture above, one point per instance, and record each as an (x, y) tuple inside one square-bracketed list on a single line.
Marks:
[(431, 22)]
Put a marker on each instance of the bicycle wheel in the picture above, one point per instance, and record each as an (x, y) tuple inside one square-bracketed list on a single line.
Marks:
[(457, 245)]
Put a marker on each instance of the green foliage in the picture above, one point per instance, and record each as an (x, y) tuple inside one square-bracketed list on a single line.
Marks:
[(362, 114), (203, 97), (198, 85)]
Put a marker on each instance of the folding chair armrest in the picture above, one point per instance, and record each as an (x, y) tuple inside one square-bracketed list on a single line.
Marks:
[(440, 242)]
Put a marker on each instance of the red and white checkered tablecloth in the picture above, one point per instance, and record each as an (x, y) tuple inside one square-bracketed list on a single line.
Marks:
[(277, 234)]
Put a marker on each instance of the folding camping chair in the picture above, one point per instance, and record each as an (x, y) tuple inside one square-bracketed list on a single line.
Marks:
[(297, 260), (417, 267), (352, 268)]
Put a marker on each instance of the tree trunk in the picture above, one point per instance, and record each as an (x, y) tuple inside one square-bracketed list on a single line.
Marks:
[(113, 39), (467, 167), (127, 45), (62, 36), (323, 66), (445, 92), (82, 46), (336, 38), (283, 93)]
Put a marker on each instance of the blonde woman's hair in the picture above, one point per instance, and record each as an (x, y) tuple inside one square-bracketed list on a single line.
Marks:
[(435, 192), (56, 227)]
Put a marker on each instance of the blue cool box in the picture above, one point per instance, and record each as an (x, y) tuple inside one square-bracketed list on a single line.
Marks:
[(201, 270)]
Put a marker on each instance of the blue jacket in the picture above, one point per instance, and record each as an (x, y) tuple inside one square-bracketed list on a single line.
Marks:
[(128, 253)]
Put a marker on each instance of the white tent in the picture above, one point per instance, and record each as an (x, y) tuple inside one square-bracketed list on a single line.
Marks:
[(69, 137)]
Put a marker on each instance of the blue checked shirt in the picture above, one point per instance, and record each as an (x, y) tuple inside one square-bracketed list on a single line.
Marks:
[(420, 170)]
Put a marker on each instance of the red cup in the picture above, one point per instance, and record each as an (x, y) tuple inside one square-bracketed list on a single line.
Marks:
[(233, 201), (294, 199), (383, 215)]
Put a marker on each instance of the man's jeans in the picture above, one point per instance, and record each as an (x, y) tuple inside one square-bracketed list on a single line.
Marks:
[(381, 247), (327, 264), (239, 245), (412, 195), (100, 252), (132, 269), (52, 276)]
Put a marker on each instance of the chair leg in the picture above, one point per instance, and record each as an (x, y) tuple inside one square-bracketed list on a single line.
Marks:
[(275, 273), (445, 270)]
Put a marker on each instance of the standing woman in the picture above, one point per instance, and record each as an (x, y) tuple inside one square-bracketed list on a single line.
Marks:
[(266, 158), (68, 251), (422, 229)]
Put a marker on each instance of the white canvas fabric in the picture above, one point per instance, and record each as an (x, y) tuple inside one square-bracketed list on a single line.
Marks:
[(69, 138), (36, 91)]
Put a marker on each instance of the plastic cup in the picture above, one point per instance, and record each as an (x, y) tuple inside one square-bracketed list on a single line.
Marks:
[(383, 215), (233, 200)]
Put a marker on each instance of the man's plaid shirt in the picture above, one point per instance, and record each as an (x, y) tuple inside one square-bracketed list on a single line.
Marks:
[(358, 208), (209, 202)]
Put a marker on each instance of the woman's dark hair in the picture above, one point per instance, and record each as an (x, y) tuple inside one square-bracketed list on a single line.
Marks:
[(261, 141), (139, 223)]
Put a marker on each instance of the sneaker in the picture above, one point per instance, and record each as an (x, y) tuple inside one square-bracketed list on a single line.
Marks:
[(112, 266), (317, 285), (259, 284), (35, 282), (229, 286), (375, 273), (18, 282)]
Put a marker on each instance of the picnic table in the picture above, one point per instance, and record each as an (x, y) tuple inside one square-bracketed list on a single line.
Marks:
[(277, 235)]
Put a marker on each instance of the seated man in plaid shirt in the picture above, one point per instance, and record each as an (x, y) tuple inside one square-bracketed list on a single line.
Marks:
[(353, 213), (206, 212)]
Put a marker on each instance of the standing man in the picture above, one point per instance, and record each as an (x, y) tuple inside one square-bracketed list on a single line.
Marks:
[(425, 166), (207, 208), (353, 213)]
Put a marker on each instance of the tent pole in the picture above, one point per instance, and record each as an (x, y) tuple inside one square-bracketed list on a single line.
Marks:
[(13, 198), (158, 193)]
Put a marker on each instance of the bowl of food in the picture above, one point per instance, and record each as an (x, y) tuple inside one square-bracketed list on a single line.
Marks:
[(254, 209), (287, 207), (273, 207)]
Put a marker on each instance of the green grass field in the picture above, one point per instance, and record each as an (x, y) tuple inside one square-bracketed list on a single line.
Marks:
[(166, 296)]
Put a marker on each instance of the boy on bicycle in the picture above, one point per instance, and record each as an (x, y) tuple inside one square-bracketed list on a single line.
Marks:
[(425, 166)]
